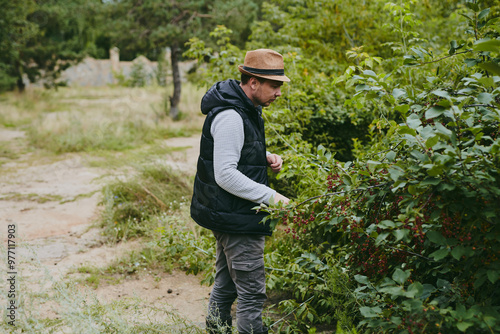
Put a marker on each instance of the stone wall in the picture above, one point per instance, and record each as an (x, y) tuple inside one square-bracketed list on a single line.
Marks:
[(101, 72)]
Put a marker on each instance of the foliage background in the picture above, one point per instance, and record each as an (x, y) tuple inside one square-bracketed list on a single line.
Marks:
[(392, 156)]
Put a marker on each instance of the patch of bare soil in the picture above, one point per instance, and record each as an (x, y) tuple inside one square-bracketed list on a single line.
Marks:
[(55, 204)]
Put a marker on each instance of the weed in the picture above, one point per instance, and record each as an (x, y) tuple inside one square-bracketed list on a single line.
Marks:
[(130, 206), (32, 197), (6, 151), (94, 276)]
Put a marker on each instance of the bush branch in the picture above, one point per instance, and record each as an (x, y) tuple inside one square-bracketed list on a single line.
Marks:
[(340, 193), (435, 61)]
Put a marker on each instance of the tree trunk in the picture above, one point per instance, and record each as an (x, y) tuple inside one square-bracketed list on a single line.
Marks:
[(20, 84), (176, 98)]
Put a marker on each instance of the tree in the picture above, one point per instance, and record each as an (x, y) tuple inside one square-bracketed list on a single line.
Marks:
[(15, 30), (149, 26), (39, 39)]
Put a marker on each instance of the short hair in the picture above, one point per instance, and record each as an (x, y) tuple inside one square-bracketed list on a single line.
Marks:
[(246, 77)]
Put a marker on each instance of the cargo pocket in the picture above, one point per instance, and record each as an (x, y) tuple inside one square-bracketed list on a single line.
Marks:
[(250, 275)]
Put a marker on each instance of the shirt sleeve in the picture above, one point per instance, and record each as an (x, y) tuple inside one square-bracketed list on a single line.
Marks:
[(228, 134)]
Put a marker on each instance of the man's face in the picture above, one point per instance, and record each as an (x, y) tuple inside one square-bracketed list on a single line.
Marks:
[(266, 92)]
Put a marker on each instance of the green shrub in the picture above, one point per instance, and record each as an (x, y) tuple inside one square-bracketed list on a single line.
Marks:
[(414, 218)]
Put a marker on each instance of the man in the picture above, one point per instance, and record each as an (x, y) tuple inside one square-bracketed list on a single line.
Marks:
[(232, 179)]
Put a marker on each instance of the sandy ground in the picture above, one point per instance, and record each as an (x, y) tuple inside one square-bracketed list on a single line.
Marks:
[(55, 203)]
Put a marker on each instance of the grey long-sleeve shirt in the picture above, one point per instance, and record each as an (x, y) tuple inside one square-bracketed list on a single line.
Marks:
[(228, 135)]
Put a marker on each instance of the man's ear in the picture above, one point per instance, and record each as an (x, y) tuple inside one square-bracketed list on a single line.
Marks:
[(254, 83)]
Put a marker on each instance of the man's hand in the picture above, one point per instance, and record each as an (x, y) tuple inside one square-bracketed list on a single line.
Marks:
[(275, 162), (280, 198)]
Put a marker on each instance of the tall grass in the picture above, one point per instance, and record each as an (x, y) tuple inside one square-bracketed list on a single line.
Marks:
[(104, 118), (130, 206)]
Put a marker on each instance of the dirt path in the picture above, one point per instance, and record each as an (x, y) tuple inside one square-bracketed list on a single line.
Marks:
[(55, 203)]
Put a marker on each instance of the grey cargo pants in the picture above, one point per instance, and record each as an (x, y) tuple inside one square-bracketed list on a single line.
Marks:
[(239, 273)]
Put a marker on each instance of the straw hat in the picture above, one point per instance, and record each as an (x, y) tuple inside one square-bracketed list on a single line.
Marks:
[(264, 63)]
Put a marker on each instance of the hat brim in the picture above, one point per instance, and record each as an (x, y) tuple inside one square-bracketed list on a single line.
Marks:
[(282, 78)]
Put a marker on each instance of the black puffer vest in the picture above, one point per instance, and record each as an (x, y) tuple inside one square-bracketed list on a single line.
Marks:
[(212, 207)]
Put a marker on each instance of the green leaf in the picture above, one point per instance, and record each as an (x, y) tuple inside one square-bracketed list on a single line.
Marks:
[(403, 108), (431, 141), (400, 276), (493, 275), (443, 130), (381, 237), (406, 130), (453, 47), (393, 290), (370, 73), (391, 155), (443, 284), (444, 103), (395, 172), (370, 312), (401, 234), (492, 45), (458, 252), (412, 305), (413, 121), (415, 289), (436, 237), (441, 93), (362, 279), (427, 290), (485, 98), (487, 82), (440, 254), (434, 111), (462, 326), (419, 155), (434, 170), (430, 181), (483, 14), (386, 224), (490, 67), (372, 165), (471, 62), (397, 93), (362, 87), (467, 17)]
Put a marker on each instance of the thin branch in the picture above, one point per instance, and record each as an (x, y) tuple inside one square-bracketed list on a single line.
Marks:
[(388, 150), (427, 202), (208, 16), (163, 205), (341, 192), (435, 61), (409, 252), (294, 272), (292, 311), (179, 17), (479, 105), (264, 116)]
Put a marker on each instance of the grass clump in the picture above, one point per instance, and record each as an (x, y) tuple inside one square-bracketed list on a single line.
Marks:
[(32, 197), (130, 206), (174, 245), (94, 276)]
